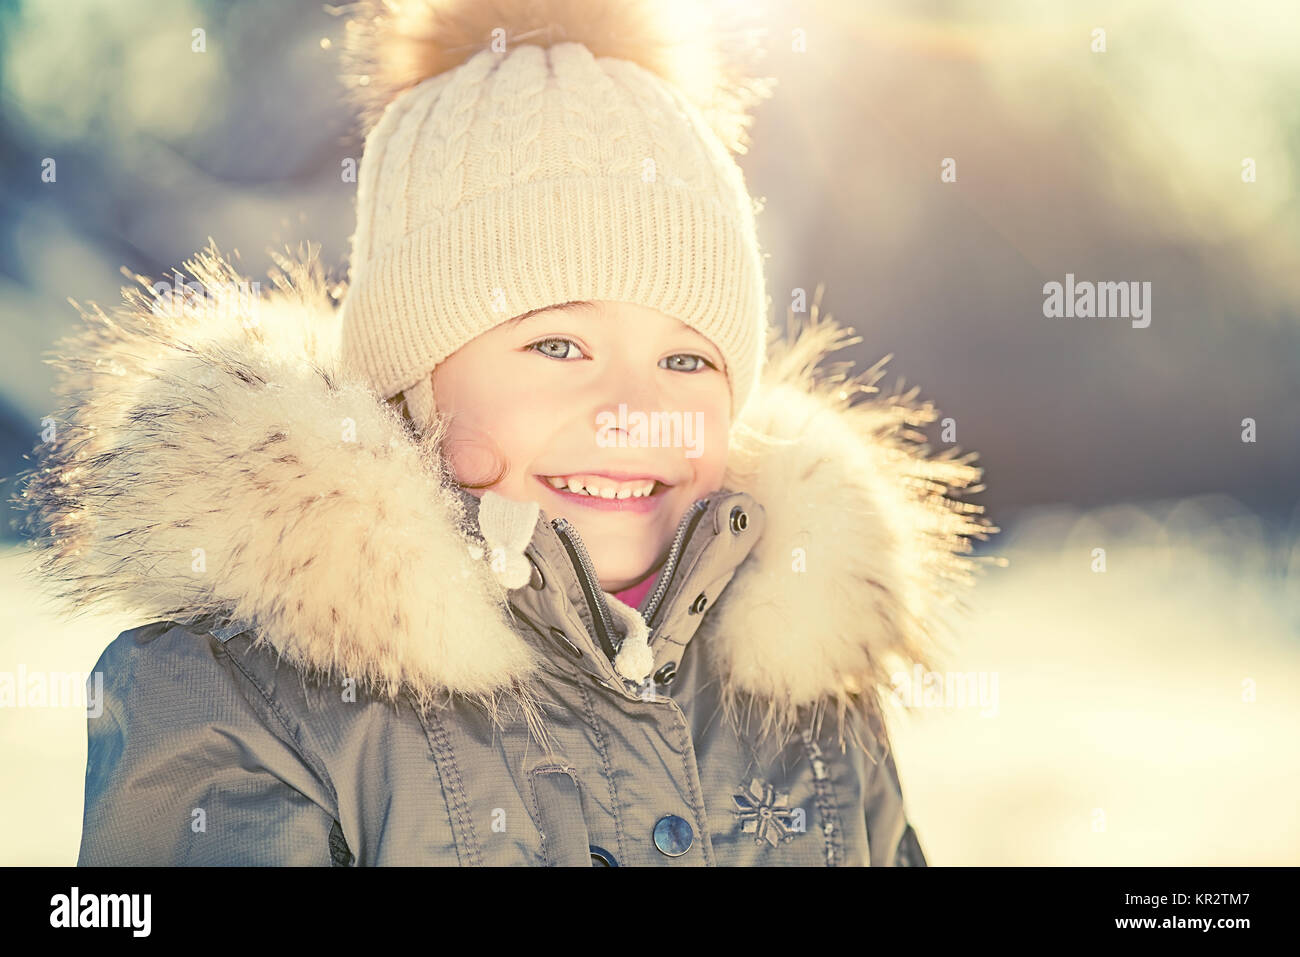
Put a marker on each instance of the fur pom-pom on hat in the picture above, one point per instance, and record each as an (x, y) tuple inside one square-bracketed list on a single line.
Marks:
[(709, 51)]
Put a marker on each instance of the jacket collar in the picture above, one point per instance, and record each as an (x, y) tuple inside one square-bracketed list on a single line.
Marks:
[(591, 631), (216, 460)]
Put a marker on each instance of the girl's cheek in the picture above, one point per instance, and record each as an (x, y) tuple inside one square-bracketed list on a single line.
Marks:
[(715, 441)]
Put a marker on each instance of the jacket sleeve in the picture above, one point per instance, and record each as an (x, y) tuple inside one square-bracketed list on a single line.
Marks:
[(890, 835), (186, 764)]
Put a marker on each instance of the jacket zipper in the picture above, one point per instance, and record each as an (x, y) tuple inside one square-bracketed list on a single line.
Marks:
[(591, 589), (684, 529)]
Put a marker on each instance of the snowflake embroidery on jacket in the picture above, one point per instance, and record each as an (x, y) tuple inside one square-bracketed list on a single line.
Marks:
[(765, 813)]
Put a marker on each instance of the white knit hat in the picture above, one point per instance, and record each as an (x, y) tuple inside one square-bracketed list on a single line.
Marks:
[(507, 177)]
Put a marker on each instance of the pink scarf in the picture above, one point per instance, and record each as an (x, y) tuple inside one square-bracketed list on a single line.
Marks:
[(635, 594)]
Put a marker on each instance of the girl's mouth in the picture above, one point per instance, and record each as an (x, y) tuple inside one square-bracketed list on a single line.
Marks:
[(604, 503)]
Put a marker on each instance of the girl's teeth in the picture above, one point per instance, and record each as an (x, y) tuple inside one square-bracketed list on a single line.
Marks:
[(575, 486)]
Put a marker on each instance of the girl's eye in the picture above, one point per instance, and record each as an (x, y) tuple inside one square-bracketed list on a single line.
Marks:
[(558, 348), (686, 355), (562, 350)]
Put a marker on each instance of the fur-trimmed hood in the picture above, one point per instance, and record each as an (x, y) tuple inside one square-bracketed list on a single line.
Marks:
[(212, 459)]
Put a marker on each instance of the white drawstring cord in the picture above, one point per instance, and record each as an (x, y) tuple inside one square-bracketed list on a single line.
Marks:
[(507, 526)]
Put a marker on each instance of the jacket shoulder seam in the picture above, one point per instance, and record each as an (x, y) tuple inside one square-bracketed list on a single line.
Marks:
[(310, 757)]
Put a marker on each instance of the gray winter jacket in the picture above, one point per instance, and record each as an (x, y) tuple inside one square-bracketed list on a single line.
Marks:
[(337, 669)]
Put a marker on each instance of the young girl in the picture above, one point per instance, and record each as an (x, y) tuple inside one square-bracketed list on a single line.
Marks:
[(525, 554)]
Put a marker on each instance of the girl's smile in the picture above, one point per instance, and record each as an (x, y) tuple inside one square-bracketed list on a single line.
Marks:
[(625, 500)]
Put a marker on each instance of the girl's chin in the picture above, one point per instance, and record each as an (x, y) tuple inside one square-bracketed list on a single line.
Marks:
[(625, 573)]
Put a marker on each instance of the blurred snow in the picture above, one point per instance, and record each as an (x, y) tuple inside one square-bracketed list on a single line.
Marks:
[(43, 749), (1121, 698)]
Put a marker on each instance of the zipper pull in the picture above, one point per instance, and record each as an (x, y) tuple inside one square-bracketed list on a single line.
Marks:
[(634, 660)]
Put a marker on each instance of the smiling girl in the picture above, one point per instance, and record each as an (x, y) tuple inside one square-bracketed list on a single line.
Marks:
[(538, 385), (413, 596)]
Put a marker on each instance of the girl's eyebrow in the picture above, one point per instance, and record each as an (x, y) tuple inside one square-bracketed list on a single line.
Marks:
[(574, 306)]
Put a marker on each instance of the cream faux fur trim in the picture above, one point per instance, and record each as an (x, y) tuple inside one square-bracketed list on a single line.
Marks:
[(862, 550), (214, 459)]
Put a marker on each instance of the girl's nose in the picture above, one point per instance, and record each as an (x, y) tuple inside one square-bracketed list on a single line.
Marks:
[(638, 390)]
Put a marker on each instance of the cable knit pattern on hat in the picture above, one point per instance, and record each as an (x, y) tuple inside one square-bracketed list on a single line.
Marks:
[(537, 176)]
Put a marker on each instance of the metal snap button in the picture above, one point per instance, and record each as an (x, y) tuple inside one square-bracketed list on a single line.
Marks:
[(667, 673), (563, 641), (739, 520), (601, 857), (673, 835), (700, 603), (537, 581)]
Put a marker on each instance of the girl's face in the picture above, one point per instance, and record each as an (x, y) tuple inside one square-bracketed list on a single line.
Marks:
[(606, 396)]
